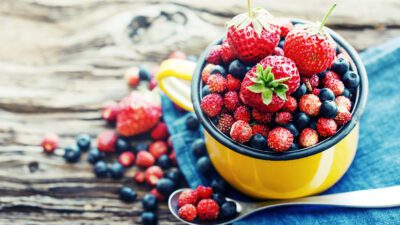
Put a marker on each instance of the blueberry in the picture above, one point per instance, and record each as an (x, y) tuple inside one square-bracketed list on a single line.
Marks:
[(164, 162), (326, 94), (300, 91), (281, 43), (204, 165), (95, 155), (313, 124), (337, 49), (329, 109), (144, 74), (192, 58), (218, 69), (192, 123), (295, 146), (83, 142), (121, 146), (321, 75), (301, 120), (218, 185), (205, 91), (149, 218), (351, 80), (127, 194), (149, 202), (100, 169), (340, 66), (173, 174), (117, 170), (346, 93), (199, 148), (165, 186), (228, 210), (219, 198), (258, 141), (72, 154), (292, 128), (237, 69), (141, 147)]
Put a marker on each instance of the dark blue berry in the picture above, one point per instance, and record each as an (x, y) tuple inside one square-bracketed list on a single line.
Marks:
[(329, 109), (313, 124), (228, 210), (144, 74), (116, 170), (205, 91), (149, 202), (164, 161), (95, 155), (300, 91), (192, 123), (301, 120), (218, 69), (174, 174), (219, 198), (321, 75), (218, 185), (292, 128), (121, 146), (199, 148), (165, 186), (204, 166), (72, 154), (295, 146), (340, 66), (83, 141), (346, 93), (237, 69), (337, 49), (141, 147), (258, 141), (326, 94), (351, 80), (127, 194), (149, 218), (281, 43), (192, 58), (100, 169)]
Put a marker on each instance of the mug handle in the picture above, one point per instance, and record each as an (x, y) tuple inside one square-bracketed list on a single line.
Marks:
[(171, 76)]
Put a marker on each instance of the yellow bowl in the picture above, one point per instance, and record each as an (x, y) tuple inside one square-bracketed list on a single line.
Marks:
[(267, 174)]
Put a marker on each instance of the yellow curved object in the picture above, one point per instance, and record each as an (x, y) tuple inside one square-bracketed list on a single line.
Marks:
[(261, 178)]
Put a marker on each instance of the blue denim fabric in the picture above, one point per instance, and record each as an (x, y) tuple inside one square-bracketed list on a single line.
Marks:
[(377, 162)]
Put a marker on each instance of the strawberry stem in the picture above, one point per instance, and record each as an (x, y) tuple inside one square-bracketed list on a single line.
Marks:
[(249, 8), (326, 16)]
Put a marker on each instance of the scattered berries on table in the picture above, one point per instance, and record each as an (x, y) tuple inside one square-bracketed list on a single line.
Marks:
[(50, 143), (126, 159), (72, 154), (158, 148), (144, 159), (192, 123), (149, 202), (83, 141), (110, 111), (160, 132), (106, 141), (127, 194)]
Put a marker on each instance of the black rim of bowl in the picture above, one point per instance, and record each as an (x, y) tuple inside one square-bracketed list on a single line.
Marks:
[(359, 106)]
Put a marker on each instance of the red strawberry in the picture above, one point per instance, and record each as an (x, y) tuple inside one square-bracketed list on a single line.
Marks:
[(232, 83), (310, 104), (225, 122), (106, 141), (160, 131), (343, 101), (110, 112), (242, 113), (231, 100), (278, 51), (188, 212), (177, 55), (138, 177), (214, 55), (336, 86), (330, 75), (284, 24), (132, 77), (253, 36), (205, 74), (316, 91), (227, 54), (204, 192), (290, 104), (158, 149), (153, 174), (241, 131), (126, 159), (139, 112), (207, 209), (260, 129), (212, 104), (266, 85), (283, 118), (343, 116), (216, 83), (262, 117), (280, 139), (188, 197), (308, 137), (310, 47), (157, 194), (50, 143), (326, 127), (144, 159)]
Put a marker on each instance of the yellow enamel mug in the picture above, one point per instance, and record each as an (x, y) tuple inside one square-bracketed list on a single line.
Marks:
[(267, 174)]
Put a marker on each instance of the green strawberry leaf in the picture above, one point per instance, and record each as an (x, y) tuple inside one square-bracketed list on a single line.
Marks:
[(256, 80), (246, 22), (256, 88), (259, 70), (258, 27), (266, 96), (281, 90), (266, 73)]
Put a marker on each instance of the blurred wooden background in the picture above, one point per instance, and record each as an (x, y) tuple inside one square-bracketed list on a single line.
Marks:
[(60, 60)]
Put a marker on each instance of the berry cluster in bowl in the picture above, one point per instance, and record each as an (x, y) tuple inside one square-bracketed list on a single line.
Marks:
[(275, 85)]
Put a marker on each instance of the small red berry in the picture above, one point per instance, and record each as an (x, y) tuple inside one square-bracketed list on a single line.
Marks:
[(207, 209), (278, 51), (241, 131), (153, 83), (283, 118), (216, 83), (160, 131), (177, 55), (106, 141), (343, 101), (110, 112), (308, 137), (212, 104), (310, 104), (132, 77), (158, 149), (280, 139), (343, 116), (126, 159), (260, 129), (153, 174), (50, 143), (188, 197), (326, 127), (336, 86), (157, 194), (172, 157), (290, 104), (262, 117), (329, 75), (242, 113), (214, 55), (144, 159), (225, 122), (204, 192), (227, 53), (232, 83), (138, 177), (284, 24), (205, 74), (231, 100), (188, 212), (316, 91)]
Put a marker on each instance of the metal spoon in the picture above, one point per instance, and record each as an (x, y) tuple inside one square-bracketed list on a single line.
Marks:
[(372, 198)]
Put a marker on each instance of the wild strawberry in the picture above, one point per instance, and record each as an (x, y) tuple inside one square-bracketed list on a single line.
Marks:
[(144, 159), (160, 197), (280, 139), (126, 159), (252, 36), (188, 197), (266, 85), (262, 117), (231, 100), (139, 112), (216, 83), (212, 104), (282, 118), (132, 77), (310, 104), (110, 112), (214, 55), (308, 137), (326, 127), (187, 212), (343, 116), (50, 143), (260, 129), (160, 131), (227, 53), (106, 141), (232, 83), (158, 149), (205, 74), (284, 25), (336, 86), (204, 192), (311, 82), (207, 209), (153, 174), (225, 122), (138, 177), (329, 75), (290, 104), (278, 51), (310, 47), (241, 131), (316, 91), (177, 55), (242, 113), (343, 101)]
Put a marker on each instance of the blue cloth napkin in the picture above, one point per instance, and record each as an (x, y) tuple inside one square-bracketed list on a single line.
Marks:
[(377, 162)]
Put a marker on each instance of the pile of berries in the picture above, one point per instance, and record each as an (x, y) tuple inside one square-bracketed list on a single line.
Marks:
[(277, 86)]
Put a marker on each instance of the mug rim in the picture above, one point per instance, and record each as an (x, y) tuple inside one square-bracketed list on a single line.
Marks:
[(358, 109)]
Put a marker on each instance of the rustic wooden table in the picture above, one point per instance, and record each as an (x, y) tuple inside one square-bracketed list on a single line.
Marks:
[(61, 60)]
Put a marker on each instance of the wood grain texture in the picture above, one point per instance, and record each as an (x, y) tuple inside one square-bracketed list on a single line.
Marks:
[(61, 60)]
